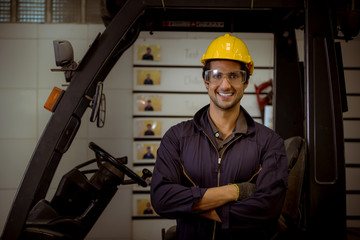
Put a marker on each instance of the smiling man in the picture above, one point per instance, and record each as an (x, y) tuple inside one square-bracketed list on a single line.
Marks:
[(221, 175)]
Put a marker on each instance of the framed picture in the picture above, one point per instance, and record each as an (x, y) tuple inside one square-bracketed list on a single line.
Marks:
[(142, 205), (148, 103), (149, 128), (145, 152), (138, 170), (148, 52), (156, 127), (148, 77), (167, 104)]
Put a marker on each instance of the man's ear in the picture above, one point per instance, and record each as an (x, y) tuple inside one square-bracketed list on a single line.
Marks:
[(206, 84), (246, 84)]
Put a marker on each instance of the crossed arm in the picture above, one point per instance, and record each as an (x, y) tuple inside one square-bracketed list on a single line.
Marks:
[(213, 198), (218, 196)]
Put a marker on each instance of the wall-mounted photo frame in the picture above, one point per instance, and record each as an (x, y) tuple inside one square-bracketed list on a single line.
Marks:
[(158, 125), (169, 79), (167, 104), (142, 205), (138, 170), (149, 128), (148, 103), (145, 151), (149, 52), (147, 77)]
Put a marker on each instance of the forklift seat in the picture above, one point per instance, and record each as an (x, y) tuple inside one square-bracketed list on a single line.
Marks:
[(77, 203), (289, 221), (61, 218)]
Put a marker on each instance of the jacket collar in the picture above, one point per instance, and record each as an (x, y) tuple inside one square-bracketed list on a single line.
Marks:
[(201, 120)]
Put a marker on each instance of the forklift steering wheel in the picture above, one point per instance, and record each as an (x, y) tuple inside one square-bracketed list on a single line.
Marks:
[(116, 163)]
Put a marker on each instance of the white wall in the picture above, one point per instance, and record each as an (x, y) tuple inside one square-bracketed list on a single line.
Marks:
[(351, 61), (26, 81)]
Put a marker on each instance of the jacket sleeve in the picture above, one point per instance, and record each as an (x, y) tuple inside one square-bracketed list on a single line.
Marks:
[(266, 204), (172, 195)]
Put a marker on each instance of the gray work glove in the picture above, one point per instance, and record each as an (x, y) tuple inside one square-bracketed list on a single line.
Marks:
[(246, 190)]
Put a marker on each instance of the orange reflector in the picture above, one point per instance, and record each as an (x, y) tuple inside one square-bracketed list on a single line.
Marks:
[(53, 99)]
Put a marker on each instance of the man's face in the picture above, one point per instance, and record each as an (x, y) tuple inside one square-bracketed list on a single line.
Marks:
[(224, 95)]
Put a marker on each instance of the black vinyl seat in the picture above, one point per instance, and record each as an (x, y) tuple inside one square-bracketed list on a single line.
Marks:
[(290, 218)]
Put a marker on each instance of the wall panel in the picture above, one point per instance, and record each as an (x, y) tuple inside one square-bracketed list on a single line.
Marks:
[(354, 110), (352, 81), (351, 61), (353, 179), (352, 152)]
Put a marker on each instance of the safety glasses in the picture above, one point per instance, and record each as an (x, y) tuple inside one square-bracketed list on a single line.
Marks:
[(215, 76)]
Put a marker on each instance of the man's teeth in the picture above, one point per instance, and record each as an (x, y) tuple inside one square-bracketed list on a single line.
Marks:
[(225, 94)]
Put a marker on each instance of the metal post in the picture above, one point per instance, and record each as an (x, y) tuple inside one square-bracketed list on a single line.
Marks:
[(288, 90), (326, 202)]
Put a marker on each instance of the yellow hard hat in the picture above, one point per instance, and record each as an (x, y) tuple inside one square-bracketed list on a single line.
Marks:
[(231, 48)]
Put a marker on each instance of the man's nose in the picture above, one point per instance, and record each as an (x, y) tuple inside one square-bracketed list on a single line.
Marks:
[(225, 81)]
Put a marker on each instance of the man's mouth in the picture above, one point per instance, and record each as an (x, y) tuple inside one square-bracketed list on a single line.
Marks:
[(225, 94)]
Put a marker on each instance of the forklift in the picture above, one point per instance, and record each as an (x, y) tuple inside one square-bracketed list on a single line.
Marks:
[(309, 99)]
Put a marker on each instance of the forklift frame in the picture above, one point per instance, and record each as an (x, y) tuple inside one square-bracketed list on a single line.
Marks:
[(307, 98)]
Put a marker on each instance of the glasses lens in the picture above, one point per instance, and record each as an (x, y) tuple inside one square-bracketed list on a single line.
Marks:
[(235, 75), (216, 76)]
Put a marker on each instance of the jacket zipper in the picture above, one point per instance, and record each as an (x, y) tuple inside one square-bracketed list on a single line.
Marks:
[(219, 164)]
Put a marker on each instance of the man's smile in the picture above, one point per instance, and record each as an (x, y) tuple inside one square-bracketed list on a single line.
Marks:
[(225, 94)]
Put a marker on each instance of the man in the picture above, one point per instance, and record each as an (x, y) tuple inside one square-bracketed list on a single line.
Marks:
[(148, 154), (148, 55), (149, 131), (148, 106), (148, 209), (221, 175), (148, 80)]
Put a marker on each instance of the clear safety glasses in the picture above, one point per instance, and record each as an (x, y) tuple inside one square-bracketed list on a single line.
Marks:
[(215, 76)]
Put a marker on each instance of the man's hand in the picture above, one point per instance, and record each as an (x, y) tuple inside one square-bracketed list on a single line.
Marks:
[(216, 197), (246, 190), (212, 215)]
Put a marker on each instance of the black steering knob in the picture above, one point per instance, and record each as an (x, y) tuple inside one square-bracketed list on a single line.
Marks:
[(146, 173)]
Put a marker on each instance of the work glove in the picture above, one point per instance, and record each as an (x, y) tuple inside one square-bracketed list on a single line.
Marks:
[(245, 190)]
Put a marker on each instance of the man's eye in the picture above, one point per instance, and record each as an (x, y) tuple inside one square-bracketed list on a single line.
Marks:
[(234, 75), (217, 76)]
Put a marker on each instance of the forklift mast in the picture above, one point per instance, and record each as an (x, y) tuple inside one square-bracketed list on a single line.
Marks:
[(307, 96)]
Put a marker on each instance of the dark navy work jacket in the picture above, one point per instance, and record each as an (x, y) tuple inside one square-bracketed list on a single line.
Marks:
[(188, 163)]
